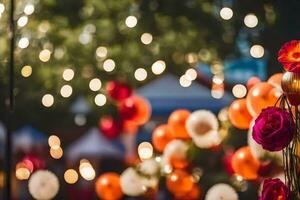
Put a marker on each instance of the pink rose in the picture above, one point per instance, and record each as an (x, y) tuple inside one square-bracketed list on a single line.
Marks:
[(275, 189)]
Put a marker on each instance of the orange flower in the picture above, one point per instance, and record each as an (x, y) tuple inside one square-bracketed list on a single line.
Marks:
[(289, 56)]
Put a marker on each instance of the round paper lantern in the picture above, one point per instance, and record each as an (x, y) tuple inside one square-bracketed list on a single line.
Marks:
[(275, 80), (118, 91), (179, 182), (108, 186), (244, 163), (202, 126), (176, 123), (43, 185), (131, 183), (161, 136), (291, 87), (261, 96), (239, 115), (110, 127), (221, 191), (135, 109), (194, 194), (175, 154), (252, 81)]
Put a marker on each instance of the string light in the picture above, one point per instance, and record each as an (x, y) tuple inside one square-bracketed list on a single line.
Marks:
[(140, 74), (22, 21), (239, 91), (131, 21), (95, 84), (100, 100), (184, 82), (56, 152), (101, 52), (68, 74), (226, 13), (54, 141), (191, 74), (257, 51), (48, 100), (109, 65), (23, 42), (86, 170), (71, 176), (45, 55), (26, 71), (158, 67), (146, 38), (145, 150), (66, 91), (251, 20), (29, 9)]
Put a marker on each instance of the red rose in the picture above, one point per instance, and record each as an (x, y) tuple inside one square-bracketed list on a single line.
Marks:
[(275, 189)]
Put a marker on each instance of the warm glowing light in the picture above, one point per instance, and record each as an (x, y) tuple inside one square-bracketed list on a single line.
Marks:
[(2, 8), (100, 100), (23, 42), (56, 152), (131, 21), (145, 150), (101, 52), (140, 74), (54, 141), (184, 81), (29, 9), (22, 173), (85, 38), (191, 74), (158, 67), (168, 169), (68, 74), (45, 55), (47, 100), (26, 71), (217, 94), (71, 176), (66, 91), (239, 91), (146, 38), (87, 171), (95, 84), (22, 21), (109, 65), (251, 20), (257, 51), (226, 13), (218, 79)]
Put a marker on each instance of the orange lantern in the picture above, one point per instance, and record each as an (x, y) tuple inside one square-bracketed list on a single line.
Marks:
[(275, 80), (244, 163), (176, 123), (129, 127), (108, 186), (239, 114), (252, 81), (178, 163), (194, 194), (179, 182), (161, 136), (261, 96)]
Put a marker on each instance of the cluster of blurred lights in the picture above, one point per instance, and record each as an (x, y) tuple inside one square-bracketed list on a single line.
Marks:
[(22, 21), (226, 13), (26, 71), (101, 52), (95, 84), (71, 176), (23, 42), (45, 55), (66, 91), (100, 100), (239, 91), (184, 81), (257, 51), (251, 20), (29, 9), (86, 170), (56, 151), (68, 74), (48, 100), (109, 65), (131, 21), (140, 74), (158, 67), (145, 150), (146, 38)]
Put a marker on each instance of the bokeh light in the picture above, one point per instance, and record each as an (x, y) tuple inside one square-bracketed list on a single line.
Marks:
[(26, 71), (22, 21), (71, 176), (251, 20), (45, 55), (86, 170), (101, 52), (48, 100), (22, 173), (2, 8), (140, 74), (239, 91), (56, 152), (29, 9), (191, 74), (145, 150), (226, 13), (131, 21), (23, 43), (68, 74), (146, 38), (80, 119), (95, 84), (100, 100), (257, 51), (109, 65), (54, 141), (66, 91), (158, 67), (184, 82)]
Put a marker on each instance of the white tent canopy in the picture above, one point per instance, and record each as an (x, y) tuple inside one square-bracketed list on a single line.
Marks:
[(92, 143)]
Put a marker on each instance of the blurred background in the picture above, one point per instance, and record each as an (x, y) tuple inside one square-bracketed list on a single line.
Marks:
[(175, 53)]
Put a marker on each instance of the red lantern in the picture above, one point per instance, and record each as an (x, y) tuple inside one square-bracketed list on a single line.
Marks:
[(110, 127), (118, 91), (179, 182)]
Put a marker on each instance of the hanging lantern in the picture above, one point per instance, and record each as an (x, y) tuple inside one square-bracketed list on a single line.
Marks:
[(290, 84)]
